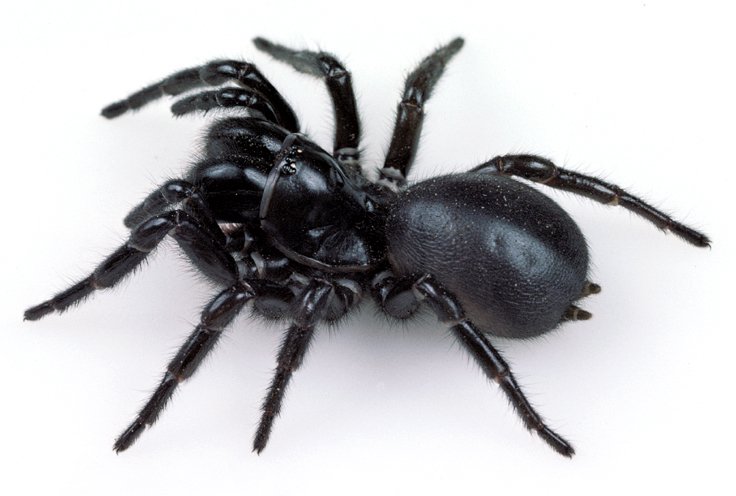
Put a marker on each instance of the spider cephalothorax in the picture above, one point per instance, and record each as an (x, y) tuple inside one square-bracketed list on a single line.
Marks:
[(276, 220)]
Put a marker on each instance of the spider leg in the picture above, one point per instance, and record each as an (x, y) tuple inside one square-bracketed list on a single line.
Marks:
[(309, 309), (541, 170), (393, 293), (410, 114), (395, 296), (495, 367), (207, 253), (171, 193), (339, 84), (216, 316), (225, 98), (213, 73)]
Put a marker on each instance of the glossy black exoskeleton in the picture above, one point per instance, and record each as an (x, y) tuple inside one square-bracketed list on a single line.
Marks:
[(302, 234)]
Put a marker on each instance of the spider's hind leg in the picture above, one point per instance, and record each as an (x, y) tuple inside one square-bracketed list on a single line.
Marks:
[(540, 170), (401, 297), (449, 310)]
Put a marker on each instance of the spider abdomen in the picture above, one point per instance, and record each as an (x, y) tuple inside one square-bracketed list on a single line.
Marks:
[(514, 259)]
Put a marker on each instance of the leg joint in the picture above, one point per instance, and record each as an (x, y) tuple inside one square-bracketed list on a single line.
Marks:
[(531, 167)]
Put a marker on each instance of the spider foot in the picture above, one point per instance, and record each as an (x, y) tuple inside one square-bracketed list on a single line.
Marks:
[(129, 437), (261, 439), (35, 313), (62, 300), (556, 442)]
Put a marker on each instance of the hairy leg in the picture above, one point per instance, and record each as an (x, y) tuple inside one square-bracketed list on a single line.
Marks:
[(197, 242), (309, 309), (410, 114), (400, 298), (216, 316), (214, 73), (340, 87), (541, 170)]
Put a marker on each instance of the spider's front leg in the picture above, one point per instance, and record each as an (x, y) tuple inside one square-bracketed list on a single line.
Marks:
[(401, 297), (199, 243), (215, 73)]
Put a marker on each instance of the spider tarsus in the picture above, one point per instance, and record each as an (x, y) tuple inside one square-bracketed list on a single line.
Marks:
[(115, 109), (259, 443), (130, 436), (61, 301), (456, 44), (262, 43), (304, 61), (264, 432), (692, 236), (556, 442), (39, 311), (704, 242)]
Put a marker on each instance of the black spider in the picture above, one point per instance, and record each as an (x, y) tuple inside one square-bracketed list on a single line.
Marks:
[(277, 221)]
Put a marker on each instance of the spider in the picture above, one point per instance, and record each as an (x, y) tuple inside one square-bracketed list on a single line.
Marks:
[(302, 235)]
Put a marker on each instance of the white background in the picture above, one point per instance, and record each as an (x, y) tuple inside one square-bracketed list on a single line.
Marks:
[(641, 93)]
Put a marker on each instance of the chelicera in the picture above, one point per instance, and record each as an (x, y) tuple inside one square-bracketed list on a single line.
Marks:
[(302, 235)]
